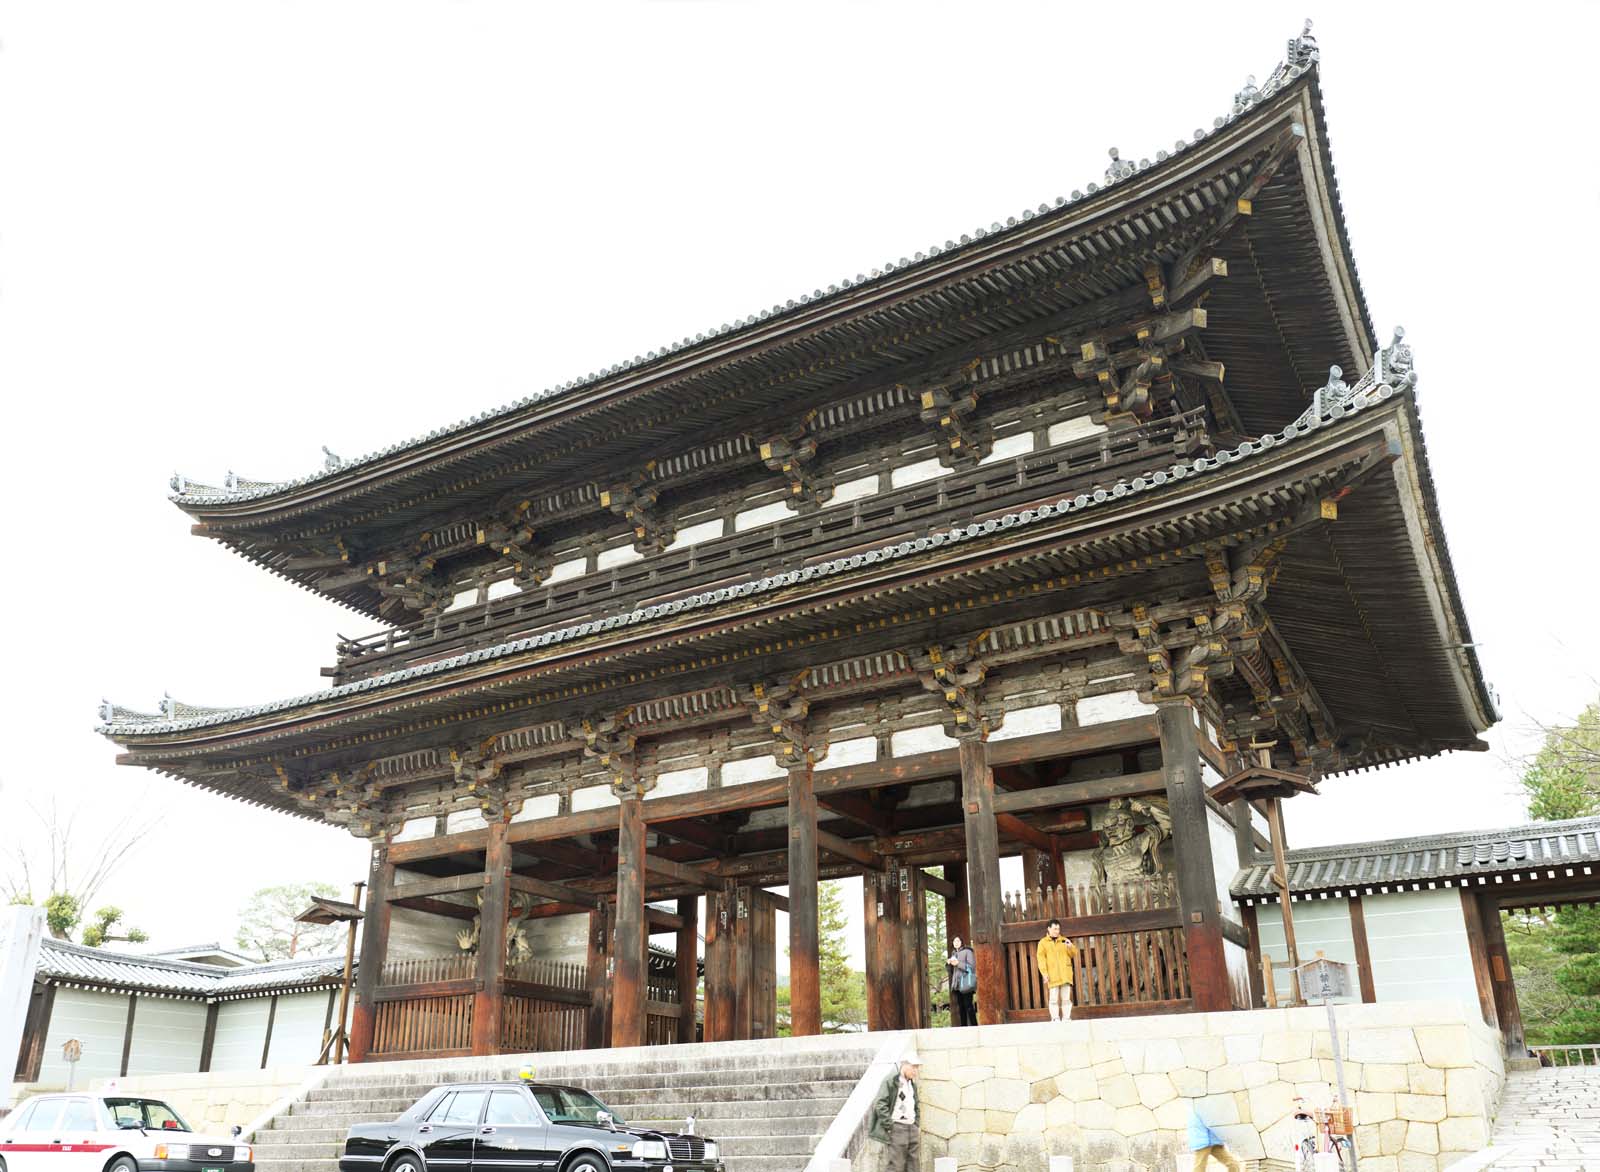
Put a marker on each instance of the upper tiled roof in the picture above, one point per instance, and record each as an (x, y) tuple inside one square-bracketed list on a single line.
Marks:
[(1301, 57), (68, 963), (1447, 858)]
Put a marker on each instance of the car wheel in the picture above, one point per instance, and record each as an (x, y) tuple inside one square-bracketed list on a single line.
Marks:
[(406, 1164), (122, 1164), (586, 1163)]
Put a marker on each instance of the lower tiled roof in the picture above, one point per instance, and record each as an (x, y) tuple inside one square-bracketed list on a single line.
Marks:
[(65, 963)]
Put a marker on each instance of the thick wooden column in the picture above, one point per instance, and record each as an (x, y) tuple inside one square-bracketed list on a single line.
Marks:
[(374, 950), (983, 878), (956, 920), (1505, 989), (1191, 845), (719, 967), (914, 946), (36, 1026), (488, 1005), (688, 964), (805, 990), (886, 976), (597, 954), (1472, 911), (1244, 843), (628, 980)]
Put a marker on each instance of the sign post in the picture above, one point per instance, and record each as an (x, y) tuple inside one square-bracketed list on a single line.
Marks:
[(1327, 979), (72, 1050)]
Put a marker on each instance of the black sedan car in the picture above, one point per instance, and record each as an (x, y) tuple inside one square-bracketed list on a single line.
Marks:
[(519, 1127)]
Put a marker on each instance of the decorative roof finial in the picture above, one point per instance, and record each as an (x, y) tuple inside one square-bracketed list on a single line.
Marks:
[(230, 481), (1246, 97), (330, 462), (169, 706), (1394, 363), (108, 711), (1303, 49), (1120, 168), (178, 483), (1332, 393)]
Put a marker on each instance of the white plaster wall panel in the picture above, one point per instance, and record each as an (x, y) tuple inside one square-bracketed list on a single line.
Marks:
[(414, 934), (241, 1033), (679, 781), (621, 555), (502, 588), (1090, 768), (1224, 861), (1077, 428), (417, 828), (167, 1036), (1319, 925), (561, 938), (922, 470), (99, 1021), (297, 1028), (747, 769), (1112, 706), (1418, 944), (853, 490), (699, 531), (933, 793), (856, 751), (593, 798), (930, 738), (761, 515), (1028, 722), (1009, 446), (464, 820), (543, 806), (561, 571)]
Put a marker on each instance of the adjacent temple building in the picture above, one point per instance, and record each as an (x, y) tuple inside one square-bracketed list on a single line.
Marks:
[(1019, 546)]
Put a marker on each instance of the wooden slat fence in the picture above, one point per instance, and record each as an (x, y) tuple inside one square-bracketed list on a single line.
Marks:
[(457, 966), (533, 1024), (423, 1025)]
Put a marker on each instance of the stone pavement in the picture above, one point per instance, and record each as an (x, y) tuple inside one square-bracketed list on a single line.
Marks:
[(1549, 1120)]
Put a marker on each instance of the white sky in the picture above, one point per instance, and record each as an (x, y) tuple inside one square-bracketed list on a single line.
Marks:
[(230, 234)]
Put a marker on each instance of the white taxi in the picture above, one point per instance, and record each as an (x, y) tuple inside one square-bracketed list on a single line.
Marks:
[(111, 1133)]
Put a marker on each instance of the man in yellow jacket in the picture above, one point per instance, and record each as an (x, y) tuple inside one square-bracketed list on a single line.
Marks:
[(1057, 958)]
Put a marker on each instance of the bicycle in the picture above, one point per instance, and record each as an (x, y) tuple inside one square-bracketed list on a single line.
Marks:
[(1324, 1131)]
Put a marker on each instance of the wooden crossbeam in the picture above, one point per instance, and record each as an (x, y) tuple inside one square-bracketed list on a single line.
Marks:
[(846, 849), (856, 808), (558, 892), (940, 886), (448, 885), (682, 872), (437, 907), (1075, 793), (1016, 828), (695, 834), (662, 920)]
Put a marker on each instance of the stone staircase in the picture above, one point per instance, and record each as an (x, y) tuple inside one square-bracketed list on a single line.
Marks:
[(1549, 1120), (767, 1110)]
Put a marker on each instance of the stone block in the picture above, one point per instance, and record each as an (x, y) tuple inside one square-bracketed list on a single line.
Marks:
[(939, 1093), (1007, 1063), (1424, 1080), (1203, 1053), (1189, 1082), (937, 1121), (1270, 1103), (973, 1097), (1385, 1076), (1135, 1120), (1257, 1074), (1163, 1054), (1420, 1108), (1463, 1134), (1173, 1116), (1368, 1137), (1224, 1078), (1104, 1070), (1418, 1162), (1375, 1106), (965, 1076), (1042, 1091), (1289, 1046), (1060, 1113), (1352, 1073), (1096, 1115), (1078, 1085), (1305, 1070), (998, 1122), (1241, 1104), (1422, 1137), (1036, 1062), (1253, 1021), (1444, 1046), (1379, 1164), (1007, 1094), (1322, 1044), (1119, 1091), (1391, 1137), (1102, 1146), (1463, 1092), (1279, 1139), (1030, 1120), (1132, 1054), (1243, 1141), (1384, 1045), (1217, 1110), (1103, 1052), (969, 1122), (1075, 1055), (1154, 1089), (1242, 1048)]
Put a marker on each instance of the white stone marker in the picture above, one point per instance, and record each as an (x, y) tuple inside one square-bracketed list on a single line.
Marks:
[(21, 929)]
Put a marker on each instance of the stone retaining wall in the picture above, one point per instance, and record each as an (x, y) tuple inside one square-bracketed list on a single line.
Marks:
[(216, 1101), (1424, 1077)]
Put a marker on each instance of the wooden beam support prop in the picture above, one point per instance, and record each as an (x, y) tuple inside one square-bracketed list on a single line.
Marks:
[(1478, 949), (1014, 827), (659, 920), (1244, 846), (1080, 793), (956, 921), (558, 892), (447, 885), (937, 885), (854, 851), (597, 950), (983, 876), (886, 993), (682, 872), (688, 964), (208, 1040), (266, 1042), (805, 988), (719, 967), (374, 950), (1358, 937), (1505, 990), (35, 1028), (856, 808), (629, 977), (488, 1006), (695, 834), (1191, 844), (1252, 926)]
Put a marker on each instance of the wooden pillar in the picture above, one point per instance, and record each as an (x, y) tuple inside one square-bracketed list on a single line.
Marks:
[(913, 945), (35, 1028), (1472, 912), (688, 964), (488, 1005), (1252, 926), (1505, 989), (956, 920), (208, 1040), (1191, 846), (719, 990), (1280, 880), (983, 878), (1244, 843), (598, 950), (127, 1033), (266, 1042), (805, 990), (374, 950), (629, 978), (1358, 938), (886, 999)]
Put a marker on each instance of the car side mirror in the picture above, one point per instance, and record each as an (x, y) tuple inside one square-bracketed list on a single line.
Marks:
[(129, 1125), (603, 1118), (237, 1131)]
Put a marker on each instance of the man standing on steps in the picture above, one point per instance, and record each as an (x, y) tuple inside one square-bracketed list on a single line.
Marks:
[(895, 1114), (1057, 958)]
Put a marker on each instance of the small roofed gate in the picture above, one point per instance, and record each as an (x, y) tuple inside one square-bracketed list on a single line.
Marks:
[(1131, 955)]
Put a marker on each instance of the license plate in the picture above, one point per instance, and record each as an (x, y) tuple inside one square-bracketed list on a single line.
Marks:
[(211, 1170)]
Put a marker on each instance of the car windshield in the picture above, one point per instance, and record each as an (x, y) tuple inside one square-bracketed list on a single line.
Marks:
[(151, 1114), (565, 1105)]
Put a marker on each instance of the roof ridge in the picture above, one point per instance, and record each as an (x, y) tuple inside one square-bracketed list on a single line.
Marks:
[(1301, 58), (1443, 839), (151, 960)]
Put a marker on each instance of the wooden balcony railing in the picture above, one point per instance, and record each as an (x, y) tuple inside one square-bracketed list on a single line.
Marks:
[(870, 521), (1131, 956), (1584, 1054)]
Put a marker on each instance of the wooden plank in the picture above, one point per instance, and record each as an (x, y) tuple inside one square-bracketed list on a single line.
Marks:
[(682, 872), (35, 1028), (266, 1042), (437, 907), (688, 976), (1014, 827), (1478, 949), (447, 885), (374, 950), (1252, 926), (629, 978), (423, 990), (1102, 923), (1358, 935), (208, 1039), (854, 851), (659, 920), (805, 988), (886, 1001), (935, 884), (488, 1010), (557, 892), (541, 992), (1192, 861), (983, 876), (719, 959), (127, 1033), (1078, 793), (1505, 991), (856, 808)]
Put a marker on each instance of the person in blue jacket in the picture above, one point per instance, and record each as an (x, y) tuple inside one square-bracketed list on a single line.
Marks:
[(1207, 1144)]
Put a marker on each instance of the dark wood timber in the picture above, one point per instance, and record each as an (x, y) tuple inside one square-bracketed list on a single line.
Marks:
[(628, 983), (719, 966), (688, 964), (488, 1008), (983, 875), (1191, 848), (1074, 793), (558, 892), (937, 885), (127, 1033), (956, 921), (441, 907), (1358, 936), (658, 920), (597, 951), (374, 948), (1478, 948), (208, 1040), (1073, 927), (447, 885), (886, 997), (682, 872), (1505, 990), (1243, 833), (854, 851), (35, 1028), (266, 1042), (1252, 925), (805, 990), (1013, 827)]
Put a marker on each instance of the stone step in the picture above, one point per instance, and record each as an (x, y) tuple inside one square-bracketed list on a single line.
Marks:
[(822, 1108), (718, 1126), (293, 1151), (622, 1098), (734, 1076), (664, 1059), (736, 1164)]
